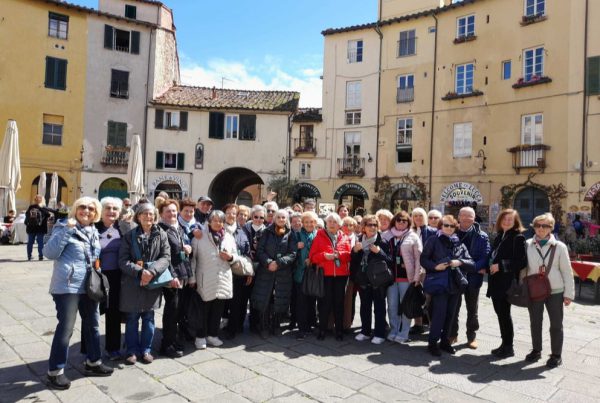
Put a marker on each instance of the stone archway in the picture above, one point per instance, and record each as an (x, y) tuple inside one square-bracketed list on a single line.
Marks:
[(226, 186), (113, 187)]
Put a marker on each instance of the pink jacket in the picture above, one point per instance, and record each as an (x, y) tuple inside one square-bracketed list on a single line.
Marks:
[(411, 254)]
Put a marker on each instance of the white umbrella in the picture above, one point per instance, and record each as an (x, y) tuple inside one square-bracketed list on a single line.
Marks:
[(10, 165), (135, 170), (42, 187), (53, 191)]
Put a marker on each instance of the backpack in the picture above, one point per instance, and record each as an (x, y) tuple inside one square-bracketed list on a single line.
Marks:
[(35, 218)]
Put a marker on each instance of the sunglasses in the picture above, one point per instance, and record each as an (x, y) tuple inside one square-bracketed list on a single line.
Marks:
[(91, 209), (546, 226), (434, 218), (258, 217), (270, 211), (403, 220), (448, 225), (371, 224)]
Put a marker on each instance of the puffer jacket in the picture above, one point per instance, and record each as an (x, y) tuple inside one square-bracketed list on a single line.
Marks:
[(479, 250), (66, 247), (180, 268), (509, 253), (356, 259), (322, 244), (410, 250), (212, 274), (135, 298), (560, 274)]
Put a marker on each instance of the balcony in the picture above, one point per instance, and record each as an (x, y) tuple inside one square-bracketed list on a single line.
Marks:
[(534, 80), (529, 156), (351, 166), (305, 146), (115, 156), (405, 95)]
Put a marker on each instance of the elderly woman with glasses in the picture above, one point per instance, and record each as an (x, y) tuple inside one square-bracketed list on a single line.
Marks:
[(75, 248), (270, 208), (444, 257), (558, 270), (273, 284)]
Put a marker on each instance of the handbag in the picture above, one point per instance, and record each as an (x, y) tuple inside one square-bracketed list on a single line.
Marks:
[(96, 283), (243, 267), (412, 302), (379, 274), (518, 294), (313, 282), (459, 280), (436, 283), (161, 280), (538, 285)]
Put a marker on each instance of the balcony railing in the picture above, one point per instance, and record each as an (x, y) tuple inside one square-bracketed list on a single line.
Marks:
[(529, 156), (351, 166), (115, 156), (305, 146), (405, 94)]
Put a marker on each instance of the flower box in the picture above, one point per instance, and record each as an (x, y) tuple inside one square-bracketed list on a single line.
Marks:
[(453, 95), (535, 80)]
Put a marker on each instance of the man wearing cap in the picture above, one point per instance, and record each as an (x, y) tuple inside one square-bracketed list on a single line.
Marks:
[(203, 209)]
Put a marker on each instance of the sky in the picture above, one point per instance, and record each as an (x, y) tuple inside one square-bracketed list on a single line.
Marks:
[(259, 45)]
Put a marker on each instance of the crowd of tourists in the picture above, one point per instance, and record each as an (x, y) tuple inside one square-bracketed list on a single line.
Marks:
[(289, 269)]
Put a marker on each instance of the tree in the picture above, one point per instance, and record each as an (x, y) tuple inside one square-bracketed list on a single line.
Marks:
[(284, 189)]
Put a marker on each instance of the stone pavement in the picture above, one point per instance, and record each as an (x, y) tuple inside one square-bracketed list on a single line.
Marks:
[(282, 369)]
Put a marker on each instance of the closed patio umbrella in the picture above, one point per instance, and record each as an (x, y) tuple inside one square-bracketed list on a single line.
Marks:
[(42, 187), (135, 170), (53, 191), (10, 166)]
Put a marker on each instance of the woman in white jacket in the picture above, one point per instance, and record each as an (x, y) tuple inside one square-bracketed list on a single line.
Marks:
[(212, 257), (559, 272)]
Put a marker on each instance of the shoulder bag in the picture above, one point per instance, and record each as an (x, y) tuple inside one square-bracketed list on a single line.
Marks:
[(313, 282), (243, 267), (96, 283), (538, 284), (379, 274), (159, 281)]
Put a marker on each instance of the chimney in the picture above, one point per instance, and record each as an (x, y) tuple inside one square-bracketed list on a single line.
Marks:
[(214, 93)]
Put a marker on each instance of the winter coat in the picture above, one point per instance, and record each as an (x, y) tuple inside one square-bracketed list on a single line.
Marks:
[(134, 298), (281, 249), (66, 247), (425, 232), (410, 250), (307, 239), (212, 274), (253, 237), (322, 244), (180, 266), (479, 250), (509, 253), (356, 258), (241, 241), (36, 219), (561, 273)]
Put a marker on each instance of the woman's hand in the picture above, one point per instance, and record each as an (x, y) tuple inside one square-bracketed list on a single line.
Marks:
[(441, 266), (329, 256), (146, 278), (455, 263), (249, 280), (374, 249), (225, 256), (357, 247), (273, 266), (567, 301), (197, 233), (175, 283), (187, 249), (192, 284), (494, 268), (300, 245)]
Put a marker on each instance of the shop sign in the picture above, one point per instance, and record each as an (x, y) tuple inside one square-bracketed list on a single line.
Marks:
[(307, 189), (592, 192), (351, 188), (174, 178), (461, 192)]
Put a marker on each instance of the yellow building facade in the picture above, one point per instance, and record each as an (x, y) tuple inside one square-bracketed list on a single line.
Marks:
[(42, 87)]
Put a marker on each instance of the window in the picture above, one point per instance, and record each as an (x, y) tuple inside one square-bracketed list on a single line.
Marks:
[(355, 51), (120, 40), (56, 73), (351, 144), (119, 84), (506, 69), (353, 95), (173, 120), (353, 118), (58, 25), (199, 156), (407, 45), (117, 134), (464, 78), (53, 130), (463, 133), (533, 63), (406, 88), (169, 160), (247, 127), (465, 26), (532, 129), (535, 7), (305, 170), (231, 126), (130, 11), (593, 76), (404, 140), (306, 134)]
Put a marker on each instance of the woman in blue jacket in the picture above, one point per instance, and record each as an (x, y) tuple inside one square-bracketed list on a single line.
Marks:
[(75, 247), (444, 258)]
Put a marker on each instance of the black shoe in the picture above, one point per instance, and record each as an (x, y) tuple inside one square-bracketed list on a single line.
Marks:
[(447, 348), (339, 336), (41, 258), (97, 370), (300, 336), (171, 352), (506, 352), (416, 329), (498, 351), (434, 350), (29, 258), (554, 361), (321, 335), (533, 356), (60, 382)]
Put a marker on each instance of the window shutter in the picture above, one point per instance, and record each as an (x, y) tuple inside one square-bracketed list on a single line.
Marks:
[(160, 156), (61, 74), (108, 37), (216, 125), (121, 137), (247, 127), (593, 78), (158, 118), (124, 81), (135, 42), (50, 67), (180, 161), (183, 121), (112, 130)]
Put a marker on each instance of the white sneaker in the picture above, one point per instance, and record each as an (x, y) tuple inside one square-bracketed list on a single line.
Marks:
[(200, 343), (377, 340), (401, 340), (392, 337), (214, 341), (361, 337)]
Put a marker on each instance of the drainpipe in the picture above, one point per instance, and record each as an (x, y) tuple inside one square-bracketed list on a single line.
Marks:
[(585, 97), (380, 34), (288, 164), (433, 95), (145, 134)]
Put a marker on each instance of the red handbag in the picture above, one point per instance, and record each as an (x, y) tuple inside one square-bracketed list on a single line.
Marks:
[(538, 284)]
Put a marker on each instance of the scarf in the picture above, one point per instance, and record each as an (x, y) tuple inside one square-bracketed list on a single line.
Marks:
[(366, 244), (257, 228), (186, 224), (217, 237), (541, 241), (230, 228), (279, 231), (398, 233)]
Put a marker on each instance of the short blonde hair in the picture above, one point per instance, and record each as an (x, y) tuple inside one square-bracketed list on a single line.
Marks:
[(385, 213), (245, 209), (349, 221), (86, 201), (310, 214), (545, 217)]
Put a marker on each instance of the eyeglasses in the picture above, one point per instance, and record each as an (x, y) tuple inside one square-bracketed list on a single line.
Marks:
[(403, 220), (258, 217), (270, 211), (448, 225), (371, 224), (113, 208), (91, 209), (434, 218), (545, 226)]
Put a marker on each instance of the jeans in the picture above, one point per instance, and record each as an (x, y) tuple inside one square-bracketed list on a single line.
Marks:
[(335, 288), (39, 238), (372, 298), (472, 303), (399, 324), (112, 316), (67, 306), (502, 309), (135, 344), (554, 306), (443, 313)]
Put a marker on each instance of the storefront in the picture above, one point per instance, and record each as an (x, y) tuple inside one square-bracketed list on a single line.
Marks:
[(353, 195), (404, 197), (463, 194), (303, 191), (176, 186), (593, 196)]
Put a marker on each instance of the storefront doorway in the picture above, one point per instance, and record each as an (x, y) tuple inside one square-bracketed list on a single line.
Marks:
[(531, 202)]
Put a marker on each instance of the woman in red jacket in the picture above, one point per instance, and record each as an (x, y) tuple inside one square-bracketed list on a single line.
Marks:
[(331, 250)]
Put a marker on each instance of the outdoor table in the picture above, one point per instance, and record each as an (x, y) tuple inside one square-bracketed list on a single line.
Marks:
[(587, 271), (19, 233)]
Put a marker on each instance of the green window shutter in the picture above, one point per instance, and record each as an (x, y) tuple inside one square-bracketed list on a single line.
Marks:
[(247, 127), (159, 115), (111, 137), (216, 125), (180, 161), (121, 137), (108, 37), (124, 82), (135, 42), (160, 156), (183, 121), (50, 71), (61, 74), (593, 76)]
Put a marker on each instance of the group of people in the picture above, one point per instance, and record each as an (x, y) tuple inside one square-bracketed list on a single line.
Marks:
[(224, 265)]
